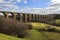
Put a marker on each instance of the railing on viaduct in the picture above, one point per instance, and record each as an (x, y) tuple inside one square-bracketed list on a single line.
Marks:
[(27, 17)]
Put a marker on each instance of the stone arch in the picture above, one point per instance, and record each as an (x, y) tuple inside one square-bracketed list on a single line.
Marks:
[(44, 18), (4, 14), (18, 17), (23, 17), (28, 17), (38, 17), (35, 18), (41, 17), (12, 15), (32, 17)]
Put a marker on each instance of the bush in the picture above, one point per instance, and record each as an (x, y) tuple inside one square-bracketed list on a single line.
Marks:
[(11, 27), (30, 26), (55, 22)]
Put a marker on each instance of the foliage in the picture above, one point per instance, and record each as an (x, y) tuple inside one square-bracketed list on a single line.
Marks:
[(11, 27), (55, 22)]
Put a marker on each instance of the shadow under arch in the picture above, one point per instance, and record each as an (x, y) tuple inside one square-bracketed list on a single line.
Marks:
[(35, 18), (32, 18), (18, 17), (23, 17), (12, 15), (28, 17)]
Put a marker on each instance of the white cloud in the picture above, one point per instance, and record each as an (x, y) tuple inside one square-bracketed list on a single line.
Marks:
[(1, 1), (10, 1), (36, 10), (55, 1), (9, 5), (18, 0), (25, 1)]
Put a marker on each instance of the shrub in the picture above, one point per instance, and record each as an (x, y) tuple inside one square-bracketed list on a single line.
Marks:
[(11, 27), (29, 26), (55, 22)]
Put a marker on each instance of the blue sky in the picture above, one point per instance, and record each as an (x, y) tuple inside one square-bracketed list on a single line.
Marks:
[(34, 3), (17, 5), (30, 3)]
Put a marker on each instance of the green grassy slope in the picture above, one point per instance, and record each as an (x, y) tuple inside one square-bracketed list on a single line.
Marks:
[(55, 22), (7, 37), (42, 26), (35, 35), (50, 35)]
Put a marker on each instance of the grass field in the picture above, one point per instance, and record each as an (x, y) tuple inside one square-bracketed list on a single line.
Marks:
[(7, 37), (52, 35), (35, 34), (43, 26), (49, 35)]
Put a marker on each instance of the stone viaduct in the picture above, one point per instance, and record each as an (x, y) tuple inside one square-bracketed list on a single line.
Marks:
[(27, 17)]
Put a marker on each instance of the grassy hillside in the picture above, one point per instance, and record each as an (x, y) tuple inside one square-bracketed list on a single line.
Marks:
[(7, 37), (46, 34), (35, 35), (43, 26), (52, 35)]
